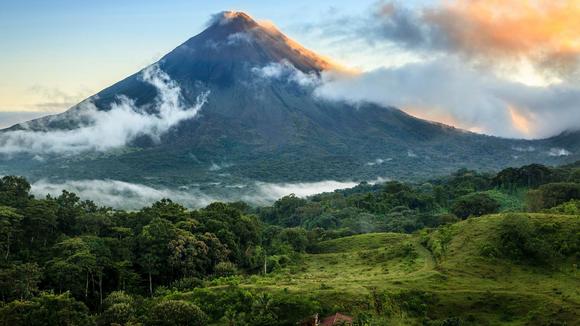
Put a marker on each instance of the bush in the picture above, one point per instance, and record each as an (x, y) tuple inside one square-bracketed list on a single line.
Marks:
[(47, 309), (551, 195), (277, 262), (119, 308), (569, 208), (226, 268), (296, 238), (520, 240), (187, 284), (177, 312), (476, 204)]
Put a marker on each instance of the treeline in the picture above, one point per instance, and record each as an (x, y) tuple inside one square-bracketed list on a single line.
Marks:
[(399, 207)]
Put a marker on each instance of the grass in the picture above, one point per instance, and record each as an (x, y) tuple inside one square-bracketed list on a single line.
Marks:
[(349, 274)]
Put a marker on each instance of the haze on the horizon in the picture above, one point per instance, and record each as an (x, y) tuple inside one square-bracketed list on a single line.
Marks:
[(508, 68)]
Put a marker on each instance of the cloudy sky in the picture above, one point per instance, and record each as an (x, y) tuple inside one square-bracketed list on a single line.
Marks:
[(502, 67)]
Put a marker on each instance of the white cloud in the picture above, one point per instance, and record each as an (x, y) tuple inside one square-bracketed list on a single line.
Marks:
[(379, 161), (285, 71), (104, 130), (119, 194), (524, 149), (125, 195), (559, 152), (450, 91), (273, 191), (217, 167), (239, 38)]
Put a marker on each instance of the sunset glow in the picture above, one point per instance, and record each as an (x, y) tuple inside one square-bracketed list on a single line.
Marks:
[(519, 121), (544, 31)]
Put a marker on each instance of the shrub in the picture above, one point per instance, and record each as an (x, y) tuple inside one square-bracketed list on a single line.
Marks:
[(519, 239), (187, 284), (476, 204), (226, 268), (551, 195), (47, 309), (569, 208), (177, 312), (118, 309)]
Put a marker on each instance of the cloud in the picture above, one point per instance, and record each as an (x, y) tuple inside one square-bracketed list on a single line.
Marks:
[(225, 17), (54, 97), (524, 149), (274, 191), (502, 67), (543, 33), (239, 38), (394, 22), (235, 39), (559, 152), (217, 167), (286, 72), (104, 130), (378, 161), (450, 91), (125, 195)]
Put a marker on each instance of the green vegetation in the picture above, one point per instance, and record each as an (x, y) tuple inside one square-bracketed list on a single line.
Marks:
[(402, 254)]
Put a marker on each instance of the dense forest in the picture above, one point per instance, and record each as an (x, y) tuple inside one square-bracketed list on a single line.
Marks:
[(66, 261)]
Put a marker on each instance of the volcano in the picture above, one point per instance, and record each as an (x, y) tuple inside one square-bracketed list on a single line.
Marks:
[(263, 121)]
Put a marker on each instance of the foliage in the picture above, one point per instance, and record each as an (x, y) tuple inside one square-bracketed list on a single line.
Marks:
[(552, 194), (522, 239), (569, 208), (176, 312), (66, 261), (46, 309), (476, 204)]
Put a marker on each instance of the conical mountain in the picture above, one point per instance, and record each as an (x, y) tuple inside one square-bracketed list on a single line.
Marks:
[(262, 121)]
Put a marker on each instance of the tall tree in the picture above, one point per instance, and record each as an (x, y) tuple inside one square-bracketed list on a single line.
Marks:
[(9, 229), (153, 247)]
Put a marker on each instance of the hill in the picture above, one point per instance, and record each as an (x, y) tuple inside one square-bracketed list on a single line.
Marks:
[(407, 279)]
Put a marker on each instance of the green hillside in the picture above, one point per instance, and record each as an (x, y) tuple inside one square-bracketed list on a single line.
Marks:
[(408, 279), (467, 249)]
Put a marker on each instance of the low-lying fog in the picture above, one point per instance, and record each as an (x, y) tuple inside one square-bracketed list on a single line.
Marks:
[(124, 195)]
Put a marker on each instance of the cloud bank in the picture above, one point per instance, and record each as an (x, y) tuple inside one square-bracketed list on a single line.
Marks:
[(448, 91), (124, 195), (105, 130), (506, 68)]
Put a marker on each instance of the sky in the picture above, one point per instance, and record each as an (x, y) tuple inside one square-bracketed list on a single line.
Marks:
[(500, 67)]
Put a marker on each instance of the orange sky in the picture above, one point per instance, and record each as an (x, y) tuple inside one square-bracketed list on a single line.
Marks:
[(545, 32)]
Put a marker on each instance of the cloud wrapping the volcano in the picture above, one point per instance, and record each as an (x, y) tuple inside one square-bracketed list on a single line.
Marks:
[(105, 130), (285, 71), (448, 91)]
